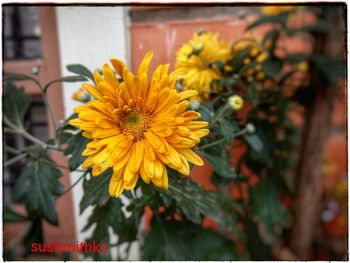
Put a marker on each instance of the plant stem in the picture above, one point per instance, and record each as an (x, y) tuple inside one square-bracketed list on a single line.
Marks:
[(75, 183), (239, 133), (52, 115), (211, 144), (12, 150), (14, 159), (217, 117), (25, 134)]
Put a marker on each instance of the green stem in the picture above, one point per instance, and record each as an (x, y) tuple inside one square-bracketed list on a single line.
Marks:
[(218, 116), (52, 115), (12, 150), (211, 144), (239, 133), (75, 183), (14, 159), (25, 134)]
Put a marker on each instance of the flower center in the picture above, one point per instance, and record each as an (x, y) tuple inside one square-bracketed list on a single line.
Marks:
[(135, 122)]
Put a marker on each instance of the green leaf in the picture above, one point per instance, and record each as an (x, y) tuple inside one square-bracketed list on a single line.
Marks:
[(16, 104), (227, 82), (206, 111), (95, 190), (254, 141), (81, 70), (221, 166), (38, 185), (252, 94), (33, 235), (65, 130), (110, 214), (267, 210), (196, 202), (295, 58), (257, 249), (11, 216), (182, 240), (217, 64), (76, 145), (279, 19), (332, 69), (227, 130), (237, 61), (272, 67), (65, 79)]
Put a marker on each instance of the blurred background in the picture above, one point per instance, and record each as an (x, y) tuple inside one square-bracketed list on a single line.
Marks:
[(51, 37)]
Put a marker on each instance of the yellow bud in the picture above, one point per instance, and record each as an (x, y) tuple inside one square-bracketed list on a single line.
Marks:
[(262, 57), (255, 51), (247, 61), (228, 68), (303, 66), (198, 48), (260, 76), (235, 102), (248, 72), (81, 95), (258, 67)]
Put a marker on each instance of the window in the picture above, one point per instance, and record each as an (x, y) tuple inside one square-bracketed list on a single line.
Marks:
[(21, 33)]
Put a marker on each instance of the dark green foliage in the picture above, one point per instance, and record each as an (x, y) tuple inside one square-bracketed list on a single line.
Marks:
[(195, 202), (38, 185), (34, 234), (221, 166), (280, 19), (106, 215), (15, 105), (81, 70), (267, 210), (11, 216), (76, 145), (183, 240), (95, 190)]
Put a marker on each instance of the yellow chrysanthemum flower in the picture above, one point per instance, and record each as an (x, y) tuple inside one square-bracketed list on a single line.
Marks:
[(138, 127), (275, 9), (257, 54), (194, 62)]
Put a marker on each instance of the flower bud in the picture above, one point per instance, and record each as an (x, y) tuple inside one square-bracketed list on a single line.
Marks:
[(250, 128), (201, 31), (236, 102), (242, 14), (197, 48), (303, 66), (36, 70), (81, 95)]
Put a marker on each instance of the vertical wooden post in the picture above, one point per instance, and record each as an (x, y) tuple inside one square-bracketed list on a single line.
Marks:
[(316, 130)]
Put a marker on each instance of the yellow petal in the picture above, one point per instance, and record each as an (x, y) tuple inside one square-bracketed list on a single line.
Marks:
[(129, 178), (143, 68), (109, 76), (93, 91), (116, 188), (97, 77), (118, 65), (191, 156)]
